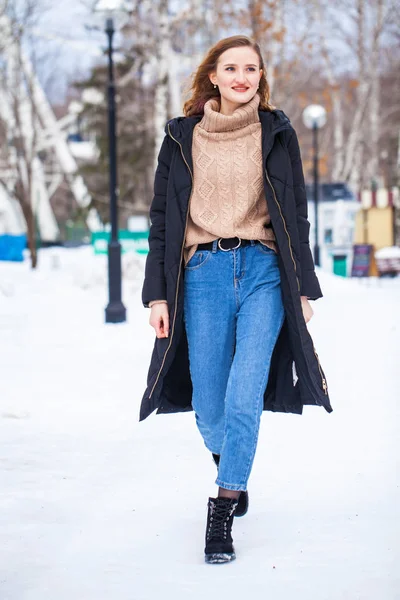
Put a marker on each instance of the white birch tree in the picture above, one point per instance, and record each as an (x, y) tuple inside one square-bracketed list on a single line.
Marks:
[(356, 126)]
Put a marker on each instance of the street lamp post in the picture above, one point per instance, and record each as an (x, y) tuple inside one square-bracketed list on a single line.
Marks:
[(314, 117), (316, 190), (115, 311)]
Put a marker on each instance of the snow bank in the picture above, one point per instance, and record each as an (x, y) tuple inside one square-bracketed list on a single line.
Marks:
[(388, 252)]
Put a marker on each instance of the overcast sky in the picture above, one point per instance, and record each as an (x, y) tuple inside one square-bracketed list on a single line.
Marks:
[(74, 50)]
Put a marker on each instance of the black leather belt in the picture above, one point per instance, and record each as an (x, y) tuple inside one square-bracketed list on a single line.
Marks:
[(225, 244)]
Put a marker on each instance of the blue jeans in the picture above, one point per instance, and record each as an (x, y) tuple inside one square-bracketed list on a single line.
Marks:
[(233, 314)]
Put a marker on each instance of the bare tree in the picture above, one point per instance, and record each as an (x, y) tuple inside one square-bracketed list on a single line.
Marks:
[(356, 124), (19, 120)]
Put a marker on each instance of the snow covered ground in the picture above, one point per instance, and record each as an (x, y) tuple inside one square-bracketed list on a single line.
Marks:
[(96, 506)]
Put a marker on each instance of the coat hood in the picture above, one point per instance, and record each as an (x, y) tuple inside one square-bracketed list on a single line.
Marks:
[(181, 130), (271, 121)]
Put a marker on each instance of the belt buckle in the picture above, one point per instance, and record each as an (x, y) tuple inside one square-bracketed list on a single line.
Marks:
[(227, 249)]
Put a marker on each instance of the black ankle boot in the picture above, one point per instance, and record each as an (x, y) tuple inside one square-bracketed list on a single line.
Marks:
[(243, 500), (219, 544)]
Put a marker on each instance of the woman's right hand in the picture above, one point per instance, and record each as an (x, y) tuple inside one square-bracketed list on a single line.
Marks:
[(159, 319)]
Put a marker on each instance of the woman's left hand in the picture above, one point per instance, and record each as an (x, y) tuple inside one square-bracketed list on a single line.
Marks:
[(307, 310)]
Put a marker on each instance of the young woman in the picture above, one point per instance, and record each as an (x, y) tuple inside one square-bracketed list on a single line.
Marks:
[(229, 274)]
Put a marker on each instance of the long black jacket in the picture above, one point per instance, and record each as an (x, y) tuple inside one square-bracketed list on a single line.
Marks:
[(296, 377)]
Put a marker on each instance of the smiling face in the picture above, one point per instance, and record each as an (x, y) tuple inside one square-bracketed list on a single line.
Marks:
[(237, 77)]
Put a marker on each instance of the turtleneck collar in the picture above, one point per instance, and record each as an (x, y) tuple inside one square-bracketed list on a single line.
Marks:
[(213, 121)]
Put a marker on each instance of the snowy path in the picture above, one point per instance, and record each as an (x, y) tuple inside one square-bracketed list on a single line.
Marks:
[(96, 506)]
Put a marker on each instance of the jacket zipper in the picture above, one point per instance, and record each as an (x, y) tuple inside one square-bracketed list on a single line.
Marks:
[(180, 268), (324, 384), (323, 380), (284, 224)]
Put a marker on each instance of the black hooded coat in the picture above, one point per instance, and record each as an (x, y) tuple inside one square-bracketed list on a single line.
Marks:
[(296, 377)]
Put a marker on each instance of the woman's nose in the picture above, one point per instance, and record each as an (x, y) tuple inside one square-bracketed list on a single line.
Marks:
[(240, 77)]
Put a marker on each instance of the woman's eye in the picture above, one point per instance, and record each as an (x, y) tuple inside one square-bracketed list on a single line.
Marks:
[(250, 68)]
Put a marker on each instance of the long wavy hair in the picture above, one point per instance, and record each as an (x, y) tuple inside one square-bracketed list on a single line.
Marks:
[(202, 89)]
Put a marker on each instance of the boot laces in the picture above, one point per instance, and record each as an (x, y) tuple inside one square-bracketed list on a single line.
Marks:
[(219, 517)]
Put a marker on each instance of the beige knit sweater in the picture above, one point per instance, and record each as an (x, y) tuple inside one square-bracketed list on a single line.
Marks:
[(228, 197)]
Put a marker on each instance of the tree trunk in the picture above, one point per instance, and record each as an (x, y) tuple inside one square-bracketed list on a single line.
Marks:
[(31, 232), (374, 104), (256, 18), (161, 95), (335, 94)]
